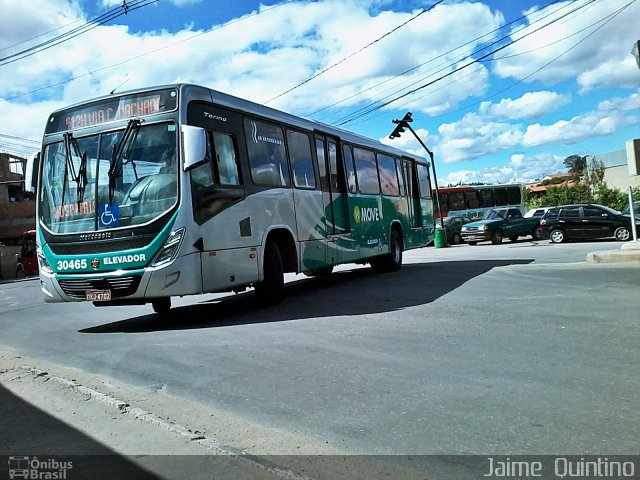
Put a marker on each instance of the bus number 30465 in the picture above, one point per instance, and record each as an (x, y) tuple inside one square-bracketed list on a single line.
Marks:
[(72, 264)]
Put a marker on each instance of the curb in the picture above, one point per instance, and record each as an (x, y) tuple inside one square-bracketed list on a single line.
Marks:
[(215, 446), (614, 257)]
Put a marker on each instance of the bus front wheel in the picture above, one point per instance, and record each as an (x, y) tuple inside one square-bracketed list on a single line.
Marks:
[(161, 305), (271, 290)]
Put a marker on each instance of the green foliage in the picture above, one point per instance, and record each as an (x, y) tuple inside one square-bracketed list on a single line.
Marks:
[(595, 175), (611, 197), (562, 195)]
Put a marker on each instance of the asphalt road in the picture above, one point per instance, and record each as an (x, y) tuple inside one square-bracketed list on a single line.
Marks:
[(518, 348)]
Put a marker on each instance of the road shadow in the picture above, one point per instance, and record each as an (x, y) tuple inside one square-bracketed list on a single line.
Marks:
[(29, 433), (343, 293)]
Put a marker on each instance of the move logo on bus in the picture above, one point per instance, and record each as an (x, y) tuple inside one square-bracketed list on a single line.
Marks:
[(366, 214)]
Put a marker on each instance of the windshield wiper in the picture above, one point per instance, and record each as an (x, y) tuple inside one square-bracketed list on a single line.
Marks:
[(81, 178), (117, 154)]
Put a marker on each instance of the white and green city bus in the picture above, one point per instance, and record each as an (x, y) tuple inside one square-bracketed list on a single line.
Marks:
[(181, 190)]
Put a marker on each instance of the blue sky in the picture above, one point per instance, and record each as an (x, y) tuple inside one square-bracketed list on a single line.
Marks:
[(561, 81)]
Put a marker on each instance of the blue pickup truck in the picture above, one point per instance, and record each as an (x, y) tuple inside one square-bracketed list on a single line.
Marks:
[(500, 223)]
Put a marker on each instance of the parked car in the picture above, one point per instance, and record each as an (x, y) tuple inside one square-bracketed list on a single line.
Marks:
[(586, 221), (536, 212), (499, 223), (453, 227)]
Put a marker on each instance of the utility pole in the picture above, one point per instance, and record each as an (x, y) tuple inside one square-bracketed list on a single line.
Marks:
[(401, 125)]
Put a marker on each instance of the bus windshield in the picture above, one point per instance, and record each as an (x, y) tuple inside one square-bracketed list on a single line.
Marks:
[(86, 187)]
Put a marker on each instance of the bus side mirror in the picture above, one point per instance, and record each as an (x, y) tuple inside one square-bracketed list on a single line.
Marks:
[(31, 173), (194, 144)]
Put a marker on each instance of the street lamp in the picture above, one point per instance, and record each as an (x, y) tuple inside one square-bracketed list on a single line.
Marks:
[(635, 51), (402, 124)]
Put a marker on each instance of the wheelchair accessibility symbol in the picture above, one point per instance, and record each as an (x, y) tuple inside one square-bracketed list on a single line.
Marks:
[(109, 215)]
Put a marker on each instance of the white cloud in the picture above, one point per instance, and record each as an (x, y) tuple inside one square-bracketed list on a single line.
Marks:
[(521, 169), (529, 106), (475, 136), (610, 116), (258, 57), (574, 45)]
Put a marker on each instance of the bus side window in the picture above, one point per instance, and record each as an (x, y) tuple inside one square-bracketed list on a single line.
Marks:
[(500, 196), (322, 165), (267, 155), (388, 175), (301, 160), (486, 198), (514, 196), (222, 165), (401, 180), (456, 201), (471, 199), (367, 171), (423, 180), (411, 189), (352, 185), (225, 161)]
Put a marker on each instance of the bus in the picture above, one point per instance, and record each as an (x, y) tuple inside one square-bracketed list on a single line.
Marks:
[(473, 201), (180, 190)]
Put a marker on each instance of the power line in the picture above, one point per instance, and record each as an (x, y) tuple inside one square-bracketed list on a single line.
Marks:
[(100, 20), (424, 10), (448, 64), (145, 53), (372, 107), (19, 138), (605, 19)]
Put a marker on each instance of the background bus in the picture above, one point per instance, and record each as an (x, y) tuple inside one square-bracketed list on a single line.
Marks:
[(26, 260), (473, 200), (181, 190)]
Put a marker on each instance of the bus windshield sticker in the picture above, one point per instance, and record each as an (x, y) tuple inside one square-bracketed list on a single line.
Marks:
[(109, 215)]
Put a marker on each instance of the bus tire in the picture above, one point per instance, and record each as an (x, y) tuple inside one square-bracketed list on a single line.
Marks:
[(161, 305), (393, 260), (270, 290)]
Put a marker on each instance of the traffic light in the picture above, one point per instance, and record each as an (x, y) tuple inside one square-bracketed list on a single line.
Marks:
[(402, 124)]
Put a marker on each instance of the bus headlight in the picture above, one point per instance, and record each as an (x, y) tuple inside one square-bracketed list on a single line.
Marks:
[(170, 248), (42, 262)]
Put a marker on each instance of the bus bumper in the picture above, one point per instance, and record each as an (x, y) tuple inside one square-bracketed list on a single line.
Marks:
[(180, 277)]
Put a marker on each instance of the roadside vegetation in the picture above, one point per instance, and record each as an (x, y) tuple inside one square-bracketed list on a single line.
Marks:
[(590, 187)]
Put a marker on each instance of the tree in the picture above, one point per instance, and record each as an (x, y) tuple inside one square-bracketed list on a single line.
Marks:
[(577, 165)]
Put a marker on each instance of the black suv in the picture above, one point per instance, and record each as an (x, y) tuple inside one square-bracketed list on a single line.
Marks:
[(585, 221)]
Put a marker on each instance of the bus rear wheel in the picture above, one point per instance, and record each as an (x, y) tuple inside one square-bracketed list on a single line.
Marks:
[(270, 290), (161, 305), (393, 260)]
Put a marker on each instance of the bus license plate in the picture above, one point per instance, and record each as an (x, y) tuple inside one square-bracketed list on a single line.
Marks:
[(98, 295)]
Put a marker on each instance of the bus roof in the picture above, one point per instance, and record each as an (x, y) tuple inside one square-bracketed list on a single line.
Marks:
[(198, 92)]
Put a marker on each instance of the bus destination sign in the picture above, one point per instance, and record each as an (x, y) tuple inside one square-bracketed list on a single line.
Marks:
[(110, 110)]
